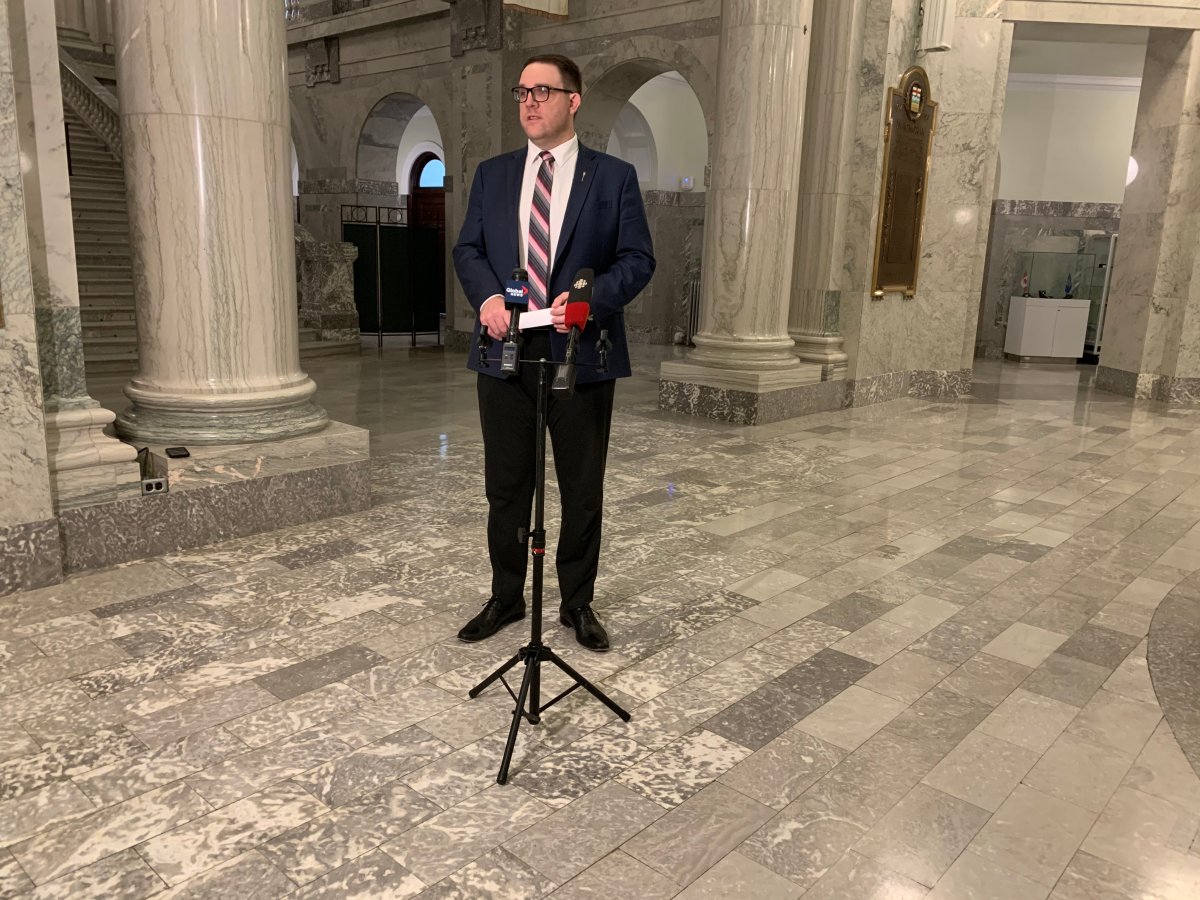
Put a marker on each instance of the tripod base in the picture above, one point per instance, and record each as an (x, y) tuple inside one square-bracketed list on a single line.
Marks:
[(533, 655)]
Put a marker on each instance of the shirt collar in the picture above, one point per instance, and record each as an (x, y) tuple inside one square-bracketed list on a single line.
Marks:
[(562, 153)]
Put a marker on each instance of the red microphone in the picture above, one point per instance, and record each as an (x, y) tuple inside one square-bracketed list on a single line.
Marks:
[(575, 317)]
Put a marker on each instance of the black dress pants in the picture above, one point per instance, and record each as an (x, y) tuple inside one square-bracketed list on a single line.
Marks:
[(579, 432)]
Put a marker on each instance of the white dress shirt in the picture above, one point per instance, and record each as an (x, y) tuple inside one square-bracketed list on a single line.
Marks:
[(565, 155)]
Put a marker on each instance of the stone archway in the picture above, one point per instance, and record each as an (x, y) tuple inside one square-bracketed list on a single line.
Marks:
[(612, 77)]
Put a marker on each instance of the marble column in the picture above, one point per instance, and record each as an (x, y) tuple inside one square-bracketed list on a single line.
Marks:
[(86, 464), (204, 120), (72, 20), (744, 355), (30, 550), (1151, 346), (825, 263)]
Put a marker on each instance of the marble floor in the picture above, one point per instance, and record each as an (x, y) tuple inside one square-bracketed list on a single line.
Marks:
[(893, 652)]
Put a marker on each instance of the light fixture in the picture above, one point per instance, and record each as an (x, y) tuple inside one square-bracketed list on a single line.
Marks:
[(937, 24)]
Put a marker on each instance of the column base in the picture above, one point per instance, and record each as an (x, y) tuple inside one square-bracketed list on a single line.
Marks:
[(1169, 389), (824, 350), (224, 492), (746, 397), (158, 417), (87, 465)]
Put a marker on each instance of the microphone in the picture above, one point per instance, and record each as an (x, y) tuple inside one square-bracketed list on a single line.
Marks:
[(516, 300), (575, 317)]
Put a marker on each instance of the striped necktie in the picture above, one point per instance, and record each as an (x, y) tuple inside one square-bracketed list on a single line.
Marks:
[(539, 233)]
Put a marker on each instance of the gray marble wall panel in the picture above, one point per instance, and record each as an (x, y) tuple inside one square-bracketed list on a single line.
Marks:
[(31, 554), (25, 511), (325, 287), (660, 314), (1031, 225), (113, 533)]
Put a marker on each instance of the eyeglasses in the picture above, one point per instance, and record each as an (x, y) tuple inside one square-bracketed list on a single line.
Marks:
[(541, 92)]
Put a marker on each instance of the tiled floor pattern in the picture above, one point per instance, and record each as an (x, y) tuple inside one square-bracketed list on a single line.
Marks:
[(893, 652)]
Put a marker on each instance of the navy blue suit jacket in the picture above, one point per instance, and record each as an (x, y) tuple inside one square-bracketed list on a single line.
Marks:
[(604, 229)]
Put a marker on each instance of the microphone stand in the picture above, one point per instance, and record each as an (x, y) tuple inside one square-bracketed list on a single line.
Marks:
[(528, 697)]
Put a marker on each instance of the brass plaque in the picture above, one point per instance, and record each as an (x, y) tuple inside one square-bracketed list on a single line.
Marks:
[(907, 142)]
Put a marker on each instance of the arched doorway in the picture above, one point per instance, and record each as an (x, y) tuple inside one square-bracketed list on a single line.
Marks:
[(400, 283), (648, 114)]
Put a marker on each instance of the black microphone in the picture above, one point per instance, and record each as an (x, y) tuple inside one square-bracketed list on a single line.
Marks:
[(516, 301), (576, 316)]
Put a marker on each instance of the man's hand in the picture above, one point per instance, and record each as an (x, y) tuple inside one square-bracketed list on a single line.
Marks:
[(494, 317), (558, 313)]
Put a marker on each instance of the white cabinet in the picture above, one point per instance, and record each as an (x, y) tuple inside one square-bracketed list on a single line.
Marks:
[(1050, 328)]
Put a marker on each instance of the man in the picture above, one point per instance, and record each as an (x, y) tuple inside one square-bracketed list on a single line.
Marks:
[(552, 207)]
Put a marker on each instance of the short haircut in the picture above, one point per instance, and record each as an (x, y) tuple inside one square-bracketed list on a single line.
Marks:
[(572, 79)]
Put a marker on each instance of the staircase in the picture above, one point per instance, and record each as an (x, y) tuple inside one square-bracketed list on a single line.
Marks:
[(101, 223), (102, 254)]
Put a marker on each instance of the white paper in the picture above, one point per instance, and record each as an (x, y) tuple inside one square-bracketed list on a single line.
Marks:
[(535, 318)]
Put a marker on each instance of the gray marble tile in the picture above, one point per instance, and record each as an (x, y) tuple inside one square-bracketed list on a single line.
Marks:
[(803, 841), (201, 712), (123, 874), (311, 674), (1034, 834), (982, 770), (689, 839), (737, 876), (52, 805), (565, 775), (851, 613), (857, 877), (248, 877), (1099, 646), (107, 831), (225, 833), (988, 679), (13, 879), (923, 834), (346, 777), (617, 875), (445, 843), (244, 774), (327, 842), (1066, 678), (62, 759), (567, 842), (498, 875), (374, 874), (671, 775), (940, 719)]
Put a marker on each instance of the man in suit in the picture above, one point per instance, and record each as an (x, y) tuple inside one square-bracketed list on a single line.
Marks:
[(552, 207)]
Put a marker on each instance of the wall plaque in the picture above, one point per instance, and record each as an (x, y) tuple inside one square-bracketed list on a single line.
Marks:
[(907, 141)]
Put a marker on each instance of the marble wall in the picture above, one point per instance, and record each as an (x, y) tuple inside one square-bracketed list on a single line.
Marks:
[(325, 287), (924, 343), (1035, 226), (660, 313), (1152, 331), (29, 540)]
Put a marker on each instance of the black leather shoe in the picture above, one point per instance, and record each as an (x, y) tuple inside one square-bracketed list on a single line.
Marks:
[(494, 616), (588, 630)]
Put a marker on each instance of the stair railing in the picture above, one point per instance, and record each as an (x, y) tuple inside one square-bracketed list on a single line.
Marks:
[(91, 101)]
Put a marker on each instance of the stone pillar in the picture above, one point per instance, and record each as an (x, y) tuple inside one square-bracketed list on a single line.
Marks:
[(204, 116), (85, 463), (1151, 346), (743, 365), (72, 20), (822, 269), (30, 550)]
